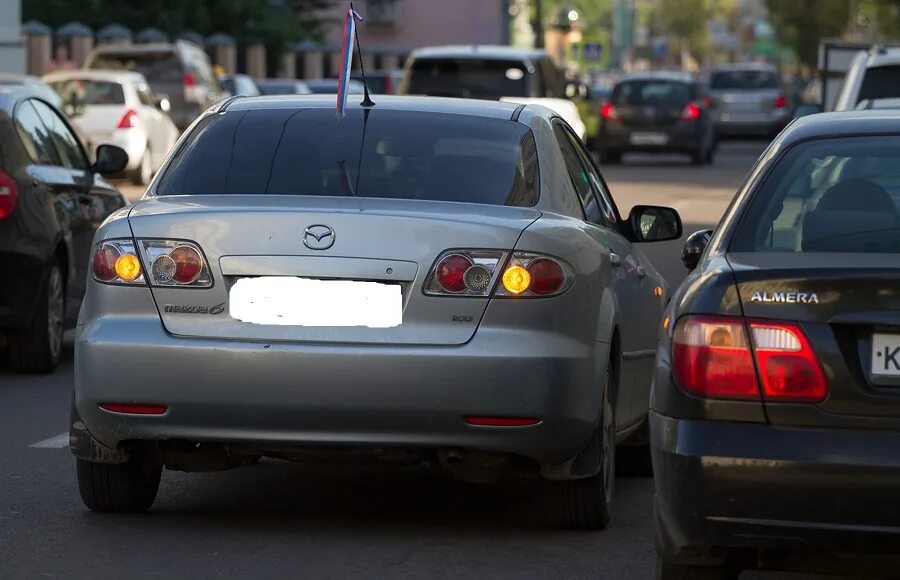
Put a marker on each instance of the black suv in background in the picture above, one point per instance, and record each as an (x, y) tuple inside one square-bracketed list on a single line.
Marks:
[(179, 71), (52, 199)]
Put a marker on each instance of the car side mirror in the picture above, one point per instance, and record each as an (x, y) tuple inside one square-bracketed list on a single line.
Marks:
[(110, 160), (162, 103), (694, 248), (653, 223)]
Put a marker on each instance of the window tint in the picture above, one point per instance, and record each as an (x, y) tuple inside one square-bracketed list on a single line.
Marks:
[(881, 82), (830, 195), (405, 155), (581, 178), (468, 78), (66, 143), (652, 92), (744, 80), (35, 136), (89, 92)]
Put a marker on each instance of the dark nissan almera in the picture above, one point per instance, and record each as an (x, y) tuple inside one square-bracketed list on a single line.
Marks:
[(775, 410)]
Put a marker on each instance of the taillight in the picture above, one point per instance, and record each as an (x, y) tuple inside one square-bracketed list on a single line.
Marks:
[(608, 112), (691, 112), (190, 87), (129, 120), (175, 263), (9, 195), (116, 262), (780, 102), (477, 272), (714, 357)]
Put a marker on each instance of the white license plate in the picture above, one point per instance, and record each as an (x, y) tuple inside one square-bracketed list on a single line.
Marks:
[(649, 138), (288, 301), (886, 355)]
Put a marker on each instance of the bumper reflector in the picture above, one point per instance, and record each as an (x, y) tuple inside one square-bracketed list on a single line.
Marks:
[(502, 421), (134, 409)]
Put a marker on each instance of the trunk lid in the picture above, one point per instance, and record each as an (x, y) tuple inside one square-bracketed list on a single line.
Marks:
[(377, 240), (845, 303)]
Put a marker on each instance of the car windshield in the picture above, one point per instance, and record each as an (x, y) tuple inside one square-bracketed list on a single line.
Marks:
[(651, 92), (829, 195), (395, 154), (743, 80), (880, 82), (468, 77), (89, 92), (155, 66)]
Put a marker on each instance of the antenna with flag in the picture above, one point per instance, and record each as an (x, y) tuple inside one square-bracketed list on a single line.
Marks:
[(367, 101)]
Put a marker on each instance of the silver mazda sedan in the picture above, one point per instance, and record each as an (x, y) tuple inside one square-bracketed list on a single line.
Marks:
[(425, 280)]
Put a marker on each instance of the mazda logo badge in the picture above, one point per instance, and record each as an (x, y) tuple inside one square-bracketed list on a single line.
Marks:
[(318, 237)]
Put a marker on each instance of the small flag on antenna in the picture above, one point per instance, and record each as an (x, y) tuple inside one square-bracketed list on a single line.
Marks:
[(346, 60)]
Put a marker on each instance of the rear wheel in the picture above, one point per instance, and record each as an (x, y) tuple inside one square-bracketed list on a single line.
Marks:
[(38, 349), (128, 487), (671, 571), (699, 156), (584, 504), (144, 172)]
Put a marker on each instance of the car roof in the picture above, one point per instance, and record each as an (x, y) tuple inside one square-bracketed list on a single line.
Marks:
[(883, 57), (843, 124), (474, 107), (657, 75), (481, 51), (117, 76)]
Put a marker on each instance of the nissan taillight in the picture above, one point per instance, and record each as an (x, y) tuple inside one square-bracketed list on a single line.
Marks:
[(9, 195), (608, 112), (780, 102), (691, 112), (129, 120), (481, 272), (722, 357), (189, 81)]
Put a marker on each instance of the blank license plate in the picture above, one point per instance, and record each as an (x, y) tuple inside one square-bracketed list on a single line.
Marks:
[(886, 355), (288, 301), (649, 138)]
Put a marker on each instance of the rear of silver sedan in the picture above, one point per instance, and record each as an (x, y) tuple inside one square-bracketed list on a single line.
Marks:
[(223, 320), (748, 100)]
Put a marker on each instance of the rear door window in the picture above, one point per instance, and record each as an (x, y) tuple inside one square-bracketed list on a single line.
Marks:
[(473, 78), (35, 135), (881, 82), (580, 175), (402, 155), (828, 195), (652, 92), (67, 145)]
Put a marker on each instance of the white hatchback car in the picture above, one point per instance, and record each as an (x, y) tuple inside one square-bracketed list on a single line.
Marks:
[(118, 108)]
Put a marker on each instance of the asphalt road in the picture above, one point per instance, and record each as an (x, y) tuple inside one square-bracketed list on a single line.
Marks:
[(276, 520)]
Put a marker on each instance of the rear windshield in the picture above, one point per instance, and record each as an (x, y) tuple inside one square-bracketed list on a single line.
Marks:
[(829, 195), (161, 66), (881, 82), (469, 78), (88, 92), (652, 92), (743, 80), (395, 154)]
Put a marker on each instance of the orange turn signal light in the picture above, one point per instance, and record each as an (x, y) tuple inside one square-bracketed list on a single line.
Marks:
[(516, 279), (128, 267)]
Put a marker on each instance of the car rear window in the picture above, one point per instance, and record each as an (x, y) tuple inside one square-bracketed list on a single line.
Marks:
[(651, 92), (828, 195), (743, 80), (470, 78), (89, 92), (394, 154), (163, 66), (880, 82)]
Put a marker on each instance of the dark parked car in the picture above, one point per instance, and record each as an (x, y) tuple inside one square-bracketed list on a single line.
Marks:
[(180, 72), (238, 84), (282, 87), (381, 82), (52, 199), (775, 411), (657, 112)]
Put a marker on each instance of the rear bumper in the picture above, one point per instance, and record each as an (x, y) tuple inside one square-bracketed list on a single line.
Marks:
[(682, 138), (723, 485), (767, 125), (275, 394)]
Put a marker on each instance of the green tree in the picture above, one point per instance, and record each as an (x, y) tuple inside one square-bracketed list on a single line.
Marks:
[(688, 21), (802, 24)]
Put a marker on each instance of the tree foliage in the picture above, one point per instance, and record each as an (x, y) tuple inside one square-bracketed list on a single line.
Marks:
[(688, 21), (802, 24)]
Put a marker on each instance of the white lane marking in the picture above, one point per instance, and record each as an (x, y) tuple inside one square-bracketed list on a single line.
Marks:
[(55, 442)]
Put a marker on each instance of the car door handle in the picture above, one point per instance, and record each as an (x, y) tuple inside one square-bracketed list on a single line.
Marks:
[(615, 260)]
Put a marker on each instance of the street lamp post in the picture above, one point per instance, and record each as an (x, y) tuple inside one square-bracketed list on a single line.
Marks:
[(537, 24)]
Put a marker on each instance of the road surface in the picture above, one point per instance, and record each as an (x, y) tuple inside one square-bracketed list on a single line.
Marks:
[(276, 520)]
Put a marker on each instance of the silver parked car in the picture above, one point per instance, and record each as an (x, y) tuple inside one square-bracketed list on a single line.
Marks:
[(749, 99), (430, 280)]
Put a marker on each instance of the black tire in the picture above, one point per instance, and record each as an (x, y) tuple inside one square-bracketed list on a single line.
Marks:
[(711, 155), (143, 173), (671, 571), (699, 156), (38, 349), (128, 487), (610, 157), (584, 504), (634, 459)]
